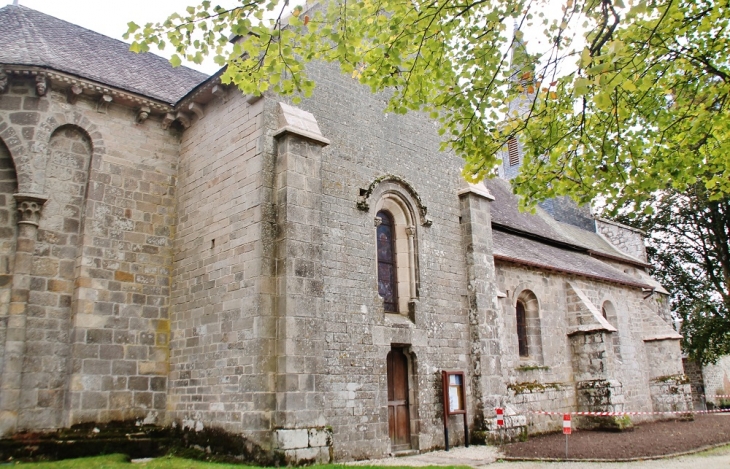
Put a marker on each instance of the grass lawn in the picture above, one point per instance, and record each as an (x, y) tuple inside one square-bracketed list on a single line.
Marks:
[(121, 461)]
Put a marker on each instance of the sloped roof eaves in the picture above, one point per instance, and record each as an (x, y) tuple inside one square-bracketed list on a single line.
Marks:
[(512, 248), (505, 211), (507, 216), (596, 244), (32, 38)]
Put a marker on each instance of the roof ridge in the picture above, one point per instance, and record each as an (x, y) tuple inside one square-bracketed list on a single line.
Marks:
[(26, 27)]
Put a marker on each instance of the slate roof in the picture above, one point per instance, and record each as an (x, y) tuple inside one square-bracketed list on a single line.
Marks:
[(505, 212), (512, 247), (32, 38), (595, 243), (539, 240)]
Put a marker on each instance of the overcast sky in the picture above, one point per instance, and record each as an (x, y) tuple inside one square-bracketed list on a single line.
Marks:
[(110, 17)]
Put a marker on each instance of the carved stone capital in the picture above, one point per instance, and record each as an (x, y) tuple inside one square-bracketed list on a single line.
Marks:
[(41, 85), (411, 230), (29, 208), (378, 221)]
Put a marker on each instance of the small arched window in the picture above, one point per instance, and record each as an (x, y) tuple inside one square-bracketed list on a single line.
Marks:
[(387, 267), (609, 314), (522, 330), (396, 252), (527, 320)]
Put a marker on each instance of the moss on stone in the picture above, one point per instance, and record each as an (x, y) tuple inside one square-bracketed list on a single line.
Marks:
[(532, 386)]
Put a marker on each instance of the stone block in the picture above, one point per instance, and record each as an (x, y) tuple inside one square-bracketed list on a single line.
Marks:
[(292, 439), (319, 437)]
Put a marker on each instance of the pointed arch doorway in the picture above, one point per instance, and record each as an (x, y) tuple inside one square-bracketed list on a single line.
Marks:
[(399, 419)]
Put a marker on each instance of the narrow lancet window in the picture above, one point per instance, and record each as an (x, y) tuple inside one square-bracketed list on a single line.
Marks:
[(522, 330), (387, 281)]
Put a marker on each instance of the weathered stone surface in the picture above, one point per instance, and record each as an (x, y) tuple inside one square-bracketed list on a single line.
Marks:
[(292, 439), (224, 278)]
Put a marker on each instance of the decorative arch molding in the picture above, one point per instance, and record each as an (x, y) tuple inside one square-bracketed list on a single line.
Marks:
[(57, 121), (29, 157), (400, 203), (13, 141), (392, 183)]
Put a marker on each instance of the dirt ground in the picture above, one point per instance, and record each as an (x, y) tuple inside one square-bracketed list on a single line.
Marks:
[(644, 441)]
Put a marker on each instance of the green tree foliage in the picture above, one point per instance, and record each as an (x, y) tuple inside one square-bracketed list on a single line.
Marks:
[(689, 248), (622, 99)]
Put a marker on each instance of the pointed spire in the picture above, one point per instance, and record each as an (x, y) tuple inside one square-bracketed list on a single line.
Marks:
[(15, 3)]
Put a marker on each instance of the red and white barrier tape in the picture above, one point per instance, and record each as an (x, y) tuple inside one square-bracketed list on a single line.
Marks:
[(616, 414)]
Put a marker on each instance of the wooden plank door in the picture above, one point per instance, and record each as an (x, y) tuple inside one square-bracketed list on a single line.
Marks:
[(399, 419)]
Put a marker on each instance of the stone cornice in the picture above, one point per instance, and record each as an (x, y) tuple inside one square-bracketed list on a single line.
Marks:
[(202, 92), (88, 87)]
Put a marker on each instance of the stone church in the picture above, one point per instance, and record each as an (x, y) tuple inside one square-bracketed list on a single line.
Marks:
[(173, 252)]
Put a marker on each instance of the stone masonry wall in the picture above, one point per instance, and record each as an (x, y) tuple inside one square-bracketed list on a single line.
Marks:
[(693, 371), (222, 363), (367, 144), (549, 385), (624, 238), (94, 327), (717, 380)]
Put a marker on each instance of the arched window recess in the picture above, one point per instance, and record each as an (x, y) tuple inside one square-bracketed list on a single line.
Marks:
[(397, 253), (390, 182)]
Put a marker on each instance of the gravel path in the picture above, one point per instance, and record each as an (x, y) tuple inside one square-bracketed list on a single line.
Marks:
[(474, 456), (647, 440), (487, 457), (707, 460)]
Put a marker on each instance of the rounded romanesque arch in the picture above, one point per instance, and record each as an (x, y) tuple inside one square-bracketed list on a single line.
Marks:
[(608, 310), (58, 122), (396, 247), (16, 150), (68, 157), (528, 330), (28, 152), (391, 183)]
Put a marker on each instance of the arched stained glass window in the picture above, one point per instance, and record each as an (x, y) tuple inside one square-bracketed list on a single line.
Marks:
[(522, 329), (387, 281)]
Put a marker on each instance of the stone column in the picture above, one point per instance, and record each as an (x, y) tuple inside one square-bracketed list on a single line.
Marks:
[(298, 420), (487, 385), (411, 232), (29, 214)]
